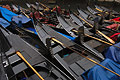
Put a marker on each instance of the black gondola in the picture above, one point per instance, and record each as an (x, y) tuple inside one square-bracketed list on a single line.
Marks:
[(16, 69), (71, 64)]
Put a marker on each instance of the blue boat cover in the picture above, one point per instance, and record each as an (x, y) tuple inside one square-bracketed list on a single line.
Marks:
[(7, 14), (21, 18), (4, 23), (113, 53), (99, 73), (69, 37)]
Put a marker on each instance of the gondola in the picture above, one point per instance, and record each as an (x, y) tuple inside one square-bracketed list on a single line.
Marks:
[(20, 60), (100, 24), (87, 37), (66, 51), (102, 8), (105, 23), (68, 63), (88, 22), (102, 17), (59, 47), (86, 14)]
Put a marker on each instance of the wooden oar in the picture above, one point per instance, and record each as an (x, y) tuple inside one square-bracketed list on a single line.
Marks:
[(113, 42), (25, 14), (101, 40), (44, 6), (85, 56), (97, 39), (98, 9), (101, 10), (21, 56), (105, 12)]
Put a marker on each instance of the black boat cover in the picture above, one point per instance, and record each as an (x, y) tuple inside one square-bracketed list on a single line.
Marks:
[(31, 54)]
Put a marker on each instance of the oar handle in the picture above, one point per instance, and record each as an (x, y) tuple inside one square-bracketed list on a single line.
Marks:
[(25, 14), (99, 39), (101, 10), (44, 6), (21, 56), (113, 42), (98, 9)]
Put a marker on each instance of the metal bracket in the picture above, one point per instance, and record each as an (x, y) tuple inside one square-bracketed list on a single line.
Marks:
[(5, 63)]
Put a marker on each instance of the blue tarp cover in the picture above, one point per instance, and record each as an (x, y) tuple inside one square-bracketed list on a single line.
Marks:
[(69, 37), (21, 18), (99, 73), (4, 23), (113, 53), (7, 14)]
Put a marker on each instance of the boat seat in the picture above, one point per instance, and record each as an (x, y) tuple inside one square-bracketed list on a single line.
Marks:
[(20, 67), (13, 59)]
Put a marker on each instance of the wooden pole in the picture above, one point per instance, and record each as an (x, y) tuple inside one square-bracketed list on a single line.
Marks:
[(98, 39), (44, 6), (21, 56)]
